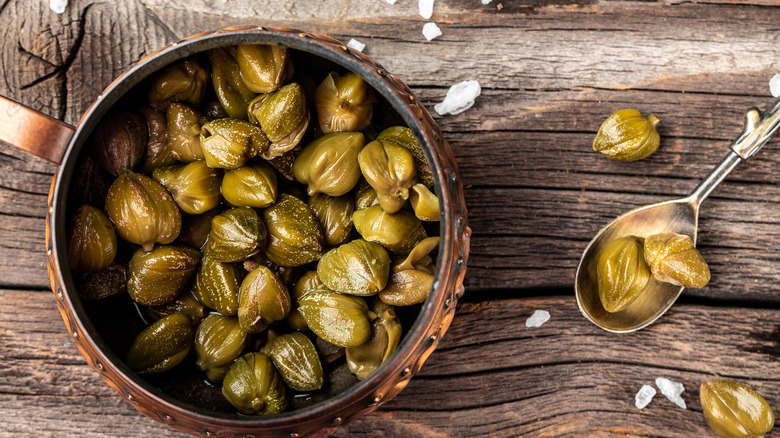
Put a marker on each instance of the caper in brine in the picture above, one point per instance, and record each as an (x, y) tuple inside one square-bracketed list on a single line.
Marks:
[(294, 235), (365, 195), (92, 241), (218, 341), (263, 299), (385, 336), (233, 94), (194, 186), (228, 143), (334, 214), (398, 232), (344, 103), (185, 303), (158, 276), (329, 164), (673, 258), (390, 170), (106, 283), (264, 68), (251, 185), (119, 141), (356, 268), (183, 81), (161, 346), (184, 128), (235, 235), (403, 136), (621, 272), (195, 228), (142, 211), (217, 284), (296, 359), (733, 410), (411, 279), (158, 151), (283, 116), (253, 386), (627, 135), (306, 282), (424, 203), (342, 320)]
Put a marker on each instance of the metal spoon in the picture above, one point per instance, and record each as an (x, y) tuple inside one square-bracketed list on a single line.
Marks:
[(678, 216)]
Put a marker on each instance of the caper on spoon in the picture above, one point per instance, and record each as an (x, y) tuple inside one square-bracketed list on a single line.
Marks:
[(677, 216)]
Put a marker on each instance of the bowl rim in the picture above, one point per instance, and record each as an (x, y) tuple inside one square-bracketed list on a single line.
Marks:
[(399, 98)]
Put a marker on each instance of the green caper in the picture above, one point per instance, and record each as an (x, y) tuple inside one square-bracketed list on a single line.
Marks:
[(158, 276), (398, 232), (92, 241), (733, 410), (365, 195), (253, 386), (674, 259), (356, 268), (390, 170), (627, 135), (233, 94), (90, 184), (263, 299), (108, 282), (184, 128), (621, 273), (185, 303), (228, 143), (119, 141), (142, 210), (297, 361), (264, 68), (194, 186), (385, 336), (158, 151), (329, 164), (306, 282), (403, 136), (424, 203), (283, 116), (252, 185), (235, 235), (195, 228), (334, 214), (294, 235), (217, 284), (218, 341), (161, 346), (411, 279), (344, 103), (183, 81), (342, 320)]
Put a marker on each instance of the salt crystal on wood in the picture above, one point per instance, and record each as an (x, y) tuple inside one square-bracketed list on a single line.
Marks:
[(671, 390), (58, 6), (774, 85), (486, 2), (355, 44), (426, 8), (459, 98), (431, 31), (644, 396), (538, 318), (392, 2)]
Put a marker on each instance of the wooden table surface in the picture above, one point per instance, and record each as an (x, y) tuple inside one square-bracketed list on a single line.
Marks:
[(536, 193)]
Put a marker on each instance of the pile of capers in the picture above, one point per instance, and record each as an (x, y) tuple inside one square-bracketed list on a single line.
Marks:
[(252, 236)]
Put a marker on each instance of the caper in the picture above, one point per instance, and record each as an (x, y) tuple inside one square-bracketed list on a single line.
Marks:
[(158, 151), (194, 186), (217, 285), (297, 361), (185, 303), (674, 259), (183, 81), (108, 282), (342, 320), (158, 276), (385, 336), (161, 346), (283, 116), (356, 268), (390, 170), (424, 203), (218, 341), (398, 232), (231, 91), (733, 410), (90, 184), (119, 141), (308, 281), (253, 386), (403, 136), (294, 236), (195, 228), (334, 214), (184, 127), (92, 241), (365, 195), (264, 68), (344, 103), (621, 273), (627, 135), (411, 279), (228, 143), (252, 185), (235, 235), (263, 299), (329, 164), (142, 210)]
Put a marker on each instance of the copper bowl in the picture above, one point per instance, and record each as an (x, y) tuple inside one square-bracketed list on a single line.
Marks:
[(59, 143)]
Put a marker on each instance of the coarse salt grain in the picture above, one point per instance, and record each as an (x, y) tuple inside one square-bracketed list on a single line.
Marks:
[(459, 98), (355, 44), (58, 6), (671, 390), (538, 318), (392, 2), (431, 31), (774, 85), (426, 8), (644, 396), (486, 2)]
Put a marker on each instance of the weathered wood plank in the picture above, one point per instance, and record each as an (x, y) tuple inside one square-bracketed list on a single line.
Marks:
[(490, 376)]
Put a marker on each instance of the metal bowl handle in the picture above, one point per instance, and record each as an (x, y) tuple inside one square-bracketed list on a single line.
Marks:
[(33, 131)]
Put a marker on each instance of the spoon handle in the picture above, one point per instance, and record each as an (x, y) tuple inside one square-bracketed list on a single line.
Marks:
[(759, 127)]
